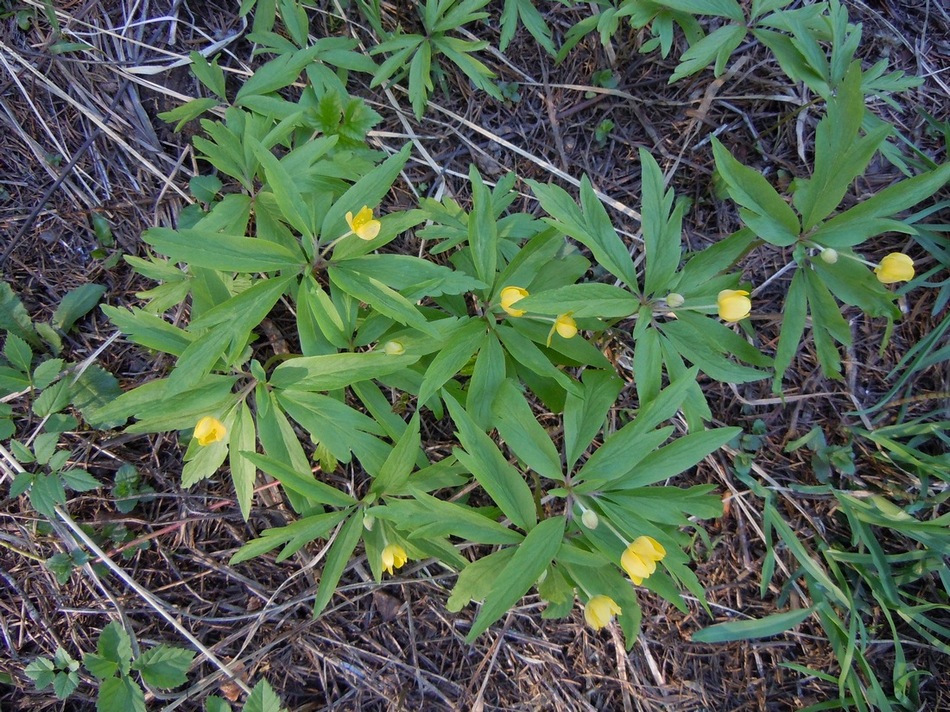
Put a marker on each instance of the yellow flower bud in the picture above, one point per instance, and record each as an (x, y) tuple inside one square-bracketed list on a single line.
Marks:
[(393, 557), (566, 326), (590, 519), (734, 304), (510, 295), (369, 521), (895, 267), (210, 430), (363, 225), (674, 300), (640, 557), (829, 256), (394, 348), (600, 610)]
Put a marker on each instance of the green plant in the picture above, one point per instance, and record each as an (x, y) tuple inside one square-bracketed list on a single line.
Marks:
[(112, 664), (416, 55)]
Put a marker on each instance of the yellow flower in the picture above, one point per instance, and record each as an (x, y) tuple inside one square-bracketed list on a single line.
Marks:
[(394, 557), (510, 295), (895, 267), (600, 610), (566, 326), (210, 430), (639, 559), (394, 348), (734, 304), (363, 225)]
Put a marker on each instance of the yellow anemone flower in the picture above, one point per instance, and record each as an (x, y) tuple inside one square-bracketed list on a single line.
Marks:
[(895, 267), (510, 295), (393, 557), (600, 610), (734, 304), (363, 225), (639, 559), (210, 430), (566, 326)]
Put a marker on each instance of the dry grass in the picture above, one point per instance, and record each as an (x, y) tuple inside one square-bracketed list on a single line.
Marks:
[(80, 135)]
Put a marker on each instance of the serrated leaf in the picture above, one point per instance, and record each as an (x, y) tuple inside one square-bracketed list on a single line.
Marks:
[(164, 666), (116, 645), (120, 693), (263, 699), (46, 372), (65, 683), (80, 480), (18, 353), (76, 304), (41, 671), (46, 493)]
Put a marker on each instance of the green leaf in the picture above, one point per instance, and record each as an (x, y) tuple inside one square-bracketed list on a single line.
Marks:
[(478, 578), (591, 227), (263, 699), (115, 645), (120, 694), (216, 704), (893, 199), (332, 371), (229, 253), (763, 210), (523, 434), (46, 493), (528, 562), (149, 330), (430, 517), (211, 75), (386, 301), (585, 412), (695, 345), (719, 44), (277, 73), (188, 111), (482, 229), (65, 683), (304, 484), (76, 304), (368, 190), (462, 343), (14, 318), (18, 353), (529, 355), (487, 376), (675, 458), (348, 536), (94, 389), (294, 536), (583, 300), (758, 628), (337, 426), (41, 671), (840, 156), (80, 480), (661, 232), (164, 666), (401, 461), (721, 8), (794, 311), (503, 483), (47, 372), (241, 439)]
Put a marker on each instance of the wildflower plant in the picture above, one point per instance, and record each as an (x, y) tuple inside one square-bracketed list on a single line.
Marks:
[(491, 321)]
